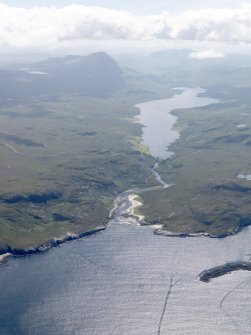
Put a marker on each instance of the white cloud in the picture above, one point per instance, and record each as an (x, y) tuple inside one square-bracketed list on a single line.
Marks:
[(207, 54), (49, 27)]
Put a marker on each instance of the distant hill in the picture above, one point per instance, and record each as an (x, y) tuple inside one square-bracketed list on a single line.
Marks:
[(96, 75), (175, 67)]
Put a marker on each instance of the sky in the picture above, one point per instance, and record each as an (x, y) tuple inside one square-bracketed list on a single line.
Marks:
[(135, 6), (30, 25)]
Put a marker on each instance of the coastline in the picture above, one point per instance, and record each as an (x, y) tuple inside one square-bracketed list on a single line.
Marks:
[(10, 251), (125, 205), (131, 205), (3, 257), (219, 271), (166, 233)]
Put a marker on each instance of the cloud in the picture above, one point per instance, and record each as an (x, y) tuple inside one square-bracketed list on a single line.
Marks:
[(206, 54), (48, 27)]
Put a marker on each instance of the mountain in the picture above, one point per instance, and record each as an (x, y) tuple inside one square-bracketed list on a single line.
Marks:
[(95, 75)]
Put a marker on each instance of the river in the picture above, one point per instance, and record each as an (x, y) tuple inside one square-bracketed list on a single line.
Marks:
[(127, 281)]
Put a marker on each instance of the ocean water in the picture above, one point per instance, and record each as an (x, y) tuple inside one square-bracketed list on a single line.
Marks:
[(126, 280)]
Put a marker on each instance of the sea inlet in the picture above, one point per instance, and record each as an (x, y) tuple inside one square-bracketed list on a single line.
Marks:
[(127, 281)]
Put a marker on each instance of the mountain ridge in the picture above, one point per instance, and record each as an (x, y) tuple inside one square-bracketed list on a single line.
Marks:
[(96, 74)]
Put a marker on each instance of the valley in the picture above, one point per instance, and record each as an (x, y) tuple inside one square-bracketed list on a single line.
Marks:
[(65, 157)]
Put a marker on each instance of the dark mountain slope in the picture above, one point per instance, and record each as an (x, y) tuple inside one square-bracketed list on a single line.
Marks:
[(96, 75)]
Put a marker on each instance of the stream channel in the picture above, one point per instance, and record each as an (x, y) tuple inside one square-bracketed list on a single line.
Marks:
[(127, 281)]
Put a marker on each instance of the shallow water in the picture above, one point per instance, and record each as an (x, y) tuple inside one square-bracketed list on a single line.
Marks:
[(158, 121)]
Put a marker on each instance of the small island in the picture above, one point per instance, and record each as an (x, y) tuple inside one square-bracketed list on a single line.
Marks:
[(218, 271)]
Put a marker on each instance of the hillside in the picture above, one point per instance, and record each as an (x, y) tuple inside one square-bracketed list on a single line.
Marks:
[(94, 75)]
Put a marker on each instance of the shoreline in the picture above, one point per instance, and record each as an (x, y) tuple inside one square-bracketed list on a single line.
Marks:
[(16, 252), (160, 231), (219, 271), (125, 205), (3, 257), (9, 251), (135, 203)]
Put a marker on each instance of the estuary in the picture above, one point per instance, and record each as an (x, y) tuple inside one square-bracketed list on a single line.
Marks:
[(127, 281)]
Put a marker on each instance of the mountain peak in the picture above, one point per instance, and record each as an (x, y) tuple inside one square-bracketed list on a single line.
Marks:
[(96, 74)]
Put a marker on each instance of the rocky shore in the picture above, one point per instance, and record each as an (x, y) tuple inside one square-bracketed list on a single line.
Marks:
[(207, 275), (125, 205), (162, 232), (9, 251)]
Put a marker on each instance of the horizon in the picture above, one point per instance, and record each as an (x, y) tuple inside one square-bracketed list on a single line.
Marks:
[(78, 28)]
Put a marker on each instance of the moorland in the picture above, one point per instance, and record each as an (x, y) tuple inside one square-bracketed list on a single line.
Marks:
[(68, 148)]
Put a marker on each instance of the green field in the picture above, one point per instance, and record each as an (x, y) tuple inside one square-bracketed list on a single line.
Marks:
[(206, 195), (65, 159), (75, 155)]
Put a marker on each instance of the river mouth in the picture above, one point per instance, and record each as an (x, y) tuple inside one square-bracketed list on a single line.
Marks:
[(125, 280)]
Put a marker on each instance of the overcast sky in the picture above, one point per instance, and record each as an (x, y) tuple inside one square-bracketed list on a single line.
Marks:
[(135, 6), (51, 25)]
